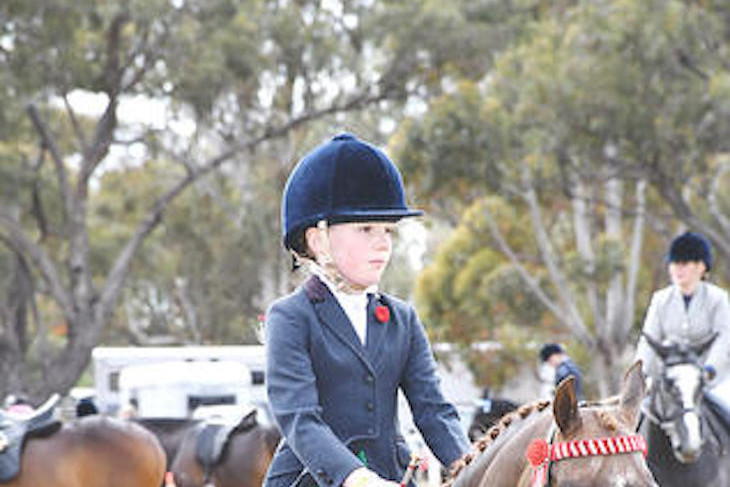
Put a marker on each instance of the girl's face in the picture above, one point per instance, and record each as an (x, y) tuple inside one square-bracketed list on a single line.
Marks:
[(361, 251), (686, 275)]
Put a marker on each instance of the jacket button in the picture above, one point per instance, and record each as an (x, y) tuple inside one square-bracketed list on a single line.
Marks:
[(371, 431), (370, 406), (321, 473), (369, 378)]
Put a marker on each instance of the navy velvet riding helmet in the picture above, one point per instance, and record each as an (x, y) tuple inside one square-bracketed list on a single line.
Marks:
[(343, 180), (690, 247)]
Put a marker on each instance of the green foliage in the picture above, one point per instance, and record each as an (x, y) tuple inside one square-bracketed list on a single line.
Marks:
[(470, 290), (587, 91), (450, 149)]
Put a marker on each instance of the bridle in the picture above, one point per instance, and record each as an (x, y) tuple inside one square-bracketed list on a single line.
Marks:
[(658, 396), (674, 354), (671, 409), (543, 453)]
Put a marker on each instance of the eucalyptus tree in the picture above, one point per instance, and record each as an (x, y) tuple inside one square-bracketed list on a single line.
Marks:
[(567, 136), (185, 90)]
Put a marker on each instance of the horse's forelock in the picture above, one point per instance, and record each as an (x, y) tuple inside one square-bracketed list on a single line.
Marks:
[(608, 420)]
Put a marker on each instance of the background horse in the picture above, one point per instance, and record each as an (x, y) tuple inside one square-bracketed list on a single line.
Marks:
[(593, 444), (169, 431), (92, 451), (687, 444), (243, 461), (488, 412)]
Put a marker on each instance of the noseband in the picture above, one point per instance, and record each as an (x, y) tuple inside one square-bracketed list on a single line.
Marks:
[(542, 454)]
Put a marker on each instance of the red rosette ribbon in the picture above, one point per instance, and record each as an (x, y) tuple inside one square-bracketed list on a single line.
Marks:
[(382, 313), (538, 454)]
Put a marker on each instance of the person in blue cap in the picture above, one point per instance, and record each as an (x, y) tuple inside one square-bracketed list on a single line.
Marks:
[(690, 309), (554, 355), (338, 349)]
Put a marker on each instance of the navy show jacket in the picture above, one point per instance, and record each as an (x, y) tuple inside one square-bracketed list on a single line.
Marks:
[(332, 397)]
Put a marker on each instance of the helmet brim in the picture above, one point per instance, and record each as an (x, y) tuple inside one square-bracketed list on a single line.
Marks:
[(378, 215), (354, 216)]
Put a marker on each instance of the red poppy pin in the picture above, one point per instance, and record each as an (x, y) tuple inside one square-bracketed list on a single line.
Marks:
[(382, 313)]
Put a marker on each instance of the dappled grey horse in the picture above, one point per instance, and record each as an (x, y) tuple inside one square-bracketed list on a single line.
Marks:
[(687, 441)]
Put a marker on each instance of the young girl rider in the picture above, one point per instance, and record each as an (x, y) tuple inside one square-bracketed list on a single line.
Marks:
[(338, 349)]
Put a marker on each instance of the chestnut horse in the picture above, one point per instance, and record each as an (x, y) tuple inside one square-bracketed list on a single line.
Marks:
[(92, 451), (242, 461), (569, 444)]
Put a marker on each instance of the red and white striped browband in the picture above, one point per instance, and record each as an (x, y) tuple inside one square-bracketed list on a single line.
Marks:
[(540, 453), (598, 446)]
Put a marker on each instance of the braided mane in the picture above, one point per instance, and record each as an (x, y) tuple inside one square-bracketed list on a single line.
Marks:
[(605, 417), (481, 444)]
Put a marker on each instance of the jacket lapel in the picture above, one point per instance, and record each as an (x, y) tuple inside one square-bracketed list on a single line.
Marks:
[(333, 317), (376, 329), (675, 313), (698, 301)]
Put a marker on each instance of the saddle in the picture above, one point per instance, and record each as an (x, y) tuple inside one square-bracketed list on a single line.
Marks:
[(15, 429), (215, 435)]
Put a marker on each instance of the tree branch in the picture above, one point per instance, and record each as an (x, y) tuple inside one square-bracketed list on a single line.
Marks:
[(672, 195), (608, 328), (78, 130), (531, 282), (115, 277), (637, 236), (579, 200), (715, 211), (50, 143), (574, 320), (24, 245)]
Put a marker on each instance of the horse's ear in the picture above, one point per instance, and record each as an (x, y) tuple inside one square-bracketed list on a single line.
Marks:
[(632, 394), (565, 406)]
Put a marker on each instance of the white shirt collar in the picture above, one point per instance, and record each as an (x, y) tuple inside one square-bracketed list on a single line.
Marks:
[(355, 305)]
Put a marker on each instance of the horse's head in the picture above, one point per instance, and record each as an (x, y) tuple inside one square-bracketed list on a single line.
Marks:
[(596, 443), (677, 394)]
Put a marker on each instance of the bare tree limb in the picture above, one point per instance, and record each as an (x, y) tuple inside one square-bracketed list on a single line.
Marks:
[(615, 298), (78, 130), (684, 212), (581, 222), (573, 318), (634, 262), (715, 211), (528, 279), (21, 243), (120, 268), (50, 143)]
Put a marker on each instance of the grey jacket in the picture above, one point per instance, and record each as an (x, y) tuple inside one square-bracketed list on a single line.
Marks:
[(668, 319), (334, 398)]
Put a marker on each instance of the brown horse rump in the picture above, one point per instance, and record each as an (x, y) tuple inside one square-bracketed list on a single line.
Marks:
[(92, 451), (15, 429)]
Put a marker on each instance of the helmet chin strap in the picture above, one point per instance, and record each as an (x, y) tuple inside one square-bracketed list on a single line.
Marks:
[(327, 266)]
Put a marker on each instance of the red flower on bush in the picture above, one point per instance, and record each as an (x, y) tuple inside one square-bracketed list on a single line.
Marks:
[(382, 313)]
